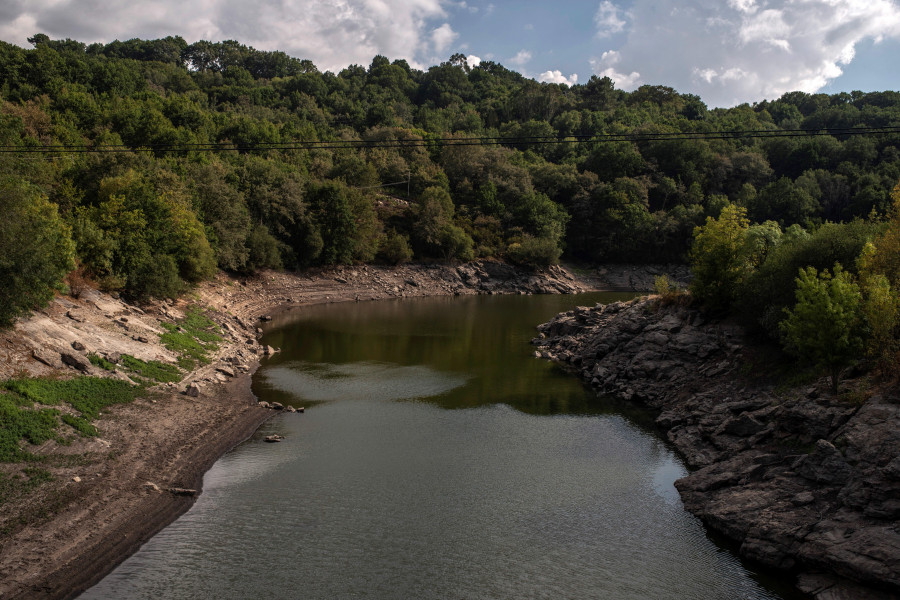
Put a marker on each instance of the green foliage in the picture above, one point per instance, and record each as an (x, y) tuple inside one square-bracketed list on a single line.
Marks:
[(36, 250), (825, 325), (534, 252), (192, 339), (23, 423), (394, 249), (153, 220), (81, 425), (20, 420), (336, 222), (99, 361), (767, 291), (154, 370), (718, 258), (87, 395)]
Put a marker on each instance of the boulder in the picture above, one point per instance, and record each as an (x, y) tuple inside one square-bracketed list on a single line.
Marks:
[(193, 390), (76, 361), (50, 359), (744, 426), (825, 464), (228, 371), (76, 345)]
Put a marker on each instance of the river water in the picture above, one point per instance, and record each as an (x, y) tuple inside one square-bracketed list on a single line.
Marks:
[(436, 459)]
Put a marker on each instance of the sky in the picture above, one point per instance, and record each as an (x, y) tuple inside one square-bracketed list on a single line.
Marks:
[(725, 51)]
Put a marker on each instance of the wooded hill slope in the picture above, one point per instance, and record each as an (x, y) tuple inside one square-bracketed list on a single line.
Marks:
[(149, 163)]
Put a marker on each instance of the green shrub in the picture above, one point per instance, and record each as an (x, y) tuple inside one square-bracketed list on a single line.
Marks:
[(764, 294), (825, 325), (534, 252), (395, 249), (718, 258)]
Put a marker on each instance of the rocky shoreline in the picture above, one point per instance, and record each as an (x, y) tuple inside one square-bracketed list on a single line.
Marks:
[(804, 482), (111, 493)]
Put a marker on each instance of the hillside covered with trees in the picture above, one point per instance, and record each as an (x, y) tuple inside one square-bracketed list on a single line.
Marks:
[(148, 164)]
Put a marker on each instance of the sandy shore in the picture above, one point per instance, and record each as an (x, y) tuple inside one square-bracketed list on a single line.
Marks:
[(114, 492)]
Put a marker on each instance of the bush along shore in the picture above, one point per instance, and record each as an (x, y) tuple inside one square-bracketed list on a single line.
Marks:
[(111, 412), (804, 481)]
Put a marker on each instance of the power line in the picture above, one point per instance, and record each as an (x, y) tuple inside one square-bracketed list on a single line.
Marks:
[(448, 141)]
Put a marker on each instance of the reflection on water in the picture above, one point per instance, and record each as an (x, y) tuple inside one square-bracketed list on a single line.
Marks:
[(436, 459)]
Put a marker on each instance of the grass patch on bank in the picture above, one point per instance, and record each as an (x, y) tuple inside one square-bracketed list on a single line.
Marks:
[(22, 416), (153, 370), (193, 338), (99, 361)]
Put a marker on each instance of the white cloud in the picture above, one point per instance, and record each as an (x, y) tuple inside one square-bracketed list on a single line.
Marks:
[(442, 37), (608, 19), (473, 61), (558, 77), (606, 67), (745, 50), (332, 33), (521, 57)]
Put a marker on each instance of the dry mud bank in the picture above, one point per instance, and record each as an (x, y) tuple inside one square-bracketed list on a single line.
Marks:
[(111, 493), (803, 481)]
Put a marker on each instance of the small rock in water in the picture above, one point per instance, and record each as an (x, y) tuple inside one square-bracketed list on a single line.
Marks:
[(264, 404), (274, 438), (277, 405)]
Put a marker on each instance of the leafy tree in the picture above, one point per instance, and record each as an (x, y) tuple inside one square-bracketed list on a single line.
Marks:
[(394, 249), (36, 250), (825, 325), (718, 258), (332, 211)]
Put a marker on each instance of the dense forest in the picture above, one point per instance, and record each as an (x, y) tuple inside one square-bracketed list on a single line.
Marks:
[(145, 165)]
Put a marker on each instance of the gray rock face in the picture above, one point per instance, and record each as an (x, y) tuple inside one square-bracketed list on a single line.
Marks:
[(800, 479)]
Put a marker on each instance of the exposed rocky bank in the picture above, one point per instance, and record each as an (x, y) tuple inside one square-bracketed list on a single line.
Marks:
[(803, 481)]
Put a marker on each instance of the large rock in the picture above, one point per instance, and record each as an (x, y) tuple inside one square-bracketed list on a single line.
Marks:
[(51, 359), (76, 361), (825, 464)]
